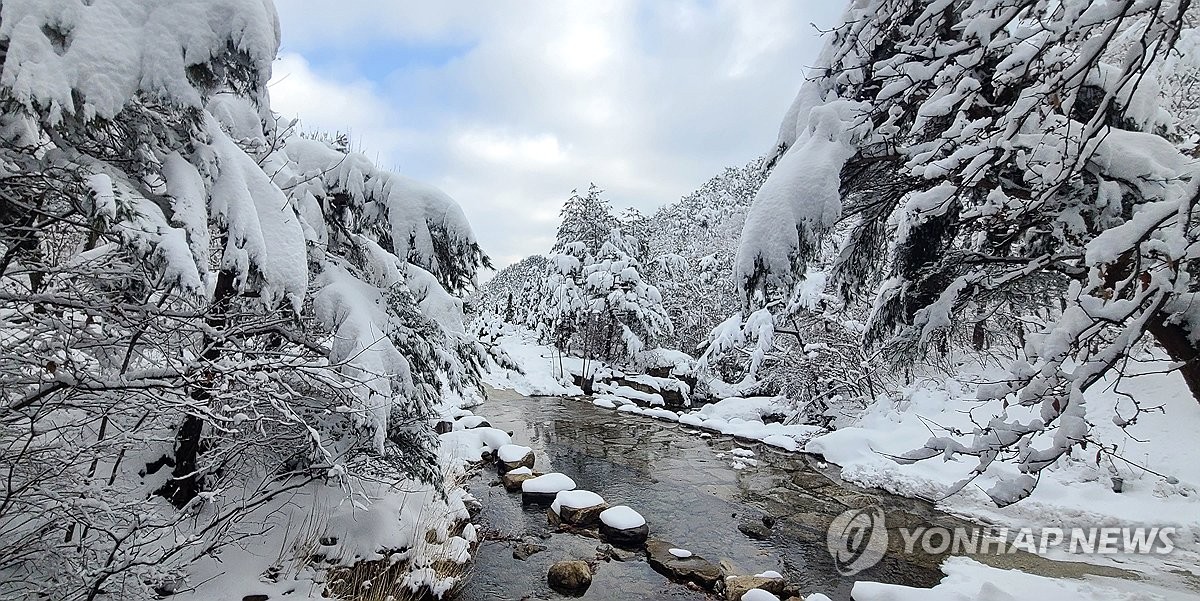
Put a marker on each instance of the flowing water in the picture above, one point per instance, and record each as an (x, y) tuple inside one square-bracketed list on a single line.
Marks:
[(690, 494)]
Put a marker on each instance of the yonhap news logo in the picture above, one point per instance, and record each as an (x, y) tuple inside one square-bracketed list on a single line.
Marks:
[(858, 539)]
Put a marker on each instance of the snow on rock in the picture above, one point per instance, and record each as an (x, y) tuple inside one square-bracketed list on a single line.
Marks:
[(521, 471), (548, 484), (744, 417), (511, 453), (680, 553), (769, 574), (757, 594), (468, 422), (470, 445), (652, 399), (604, 403), (622, 518), (576, 499)]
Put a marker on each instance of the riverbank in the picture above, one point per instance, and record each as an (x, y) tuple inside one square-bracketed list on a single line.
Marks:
[(691, 492), (1158, 480)]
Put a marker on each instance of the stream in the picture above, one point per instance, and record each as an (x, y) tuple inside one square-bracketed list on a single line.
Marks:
[(686, 486)]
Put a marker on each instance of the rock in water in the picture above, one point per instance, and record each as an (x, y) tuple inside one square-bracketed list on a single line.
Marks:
[(523, 550), (623, 527), (737, 586), (543, 489), (577, 507), (692, 568), (569, 577), (755, 530), (513, 479), (511, 456)]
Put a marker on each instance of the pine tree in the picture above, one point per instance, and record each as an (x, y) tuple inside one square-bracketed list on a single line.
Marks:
[(585, 219)]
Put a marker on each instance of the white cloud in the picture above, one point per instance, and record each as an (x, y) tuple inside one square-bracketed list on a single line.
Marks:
[(647, 99)]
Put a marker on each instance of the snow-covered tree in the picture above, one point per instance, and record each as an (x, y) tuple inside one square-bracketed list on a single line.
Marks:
[(515, 291), (199, 309), (972, 156), (586, 219), (622, 314)]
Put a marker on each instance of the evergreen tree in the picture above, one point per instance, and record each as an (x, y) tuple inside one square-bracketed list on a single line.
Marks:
[(585, 219)]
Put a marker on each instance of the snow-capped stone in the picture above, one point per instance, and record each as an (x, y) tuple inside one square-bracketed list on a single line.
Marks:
[(623, 527), (736, 587), (513, 479), (511, 456), (578, 507), (548, 484), (689, 569), (622, 517), (757, 594)]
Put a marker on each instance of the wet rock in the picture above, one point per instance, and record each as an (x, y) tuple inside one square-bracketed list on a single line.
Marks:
[(543, 489), (510, 457), (623, 527), (513, 479), (255, 598), (626, 538), (443, 427), (569, 577), (755, 530), (524, 550), (576, 507), (736, 586), (607, 552), (693, 568), (768, 521)]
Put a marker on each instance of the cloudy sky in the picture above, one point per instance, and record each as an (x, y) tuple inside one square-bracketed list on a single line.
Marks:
[(508, 106)]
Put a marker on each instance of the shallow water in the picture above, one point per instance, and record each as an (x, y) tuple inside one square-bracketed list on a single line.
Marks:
[(685, 486)]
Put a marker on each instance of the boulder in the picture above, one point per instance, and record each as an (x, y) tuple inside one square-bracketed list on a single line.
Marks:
[(690, 568), (755, 529), (544, 488), (736, 586), (570, 577), (623, 527), (576, 507), (512, 480), (511, 456)]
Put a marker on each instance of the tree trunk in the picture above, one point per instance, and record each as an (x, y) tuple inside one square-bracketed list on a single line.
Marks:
[(186, 479), (1174, 338)]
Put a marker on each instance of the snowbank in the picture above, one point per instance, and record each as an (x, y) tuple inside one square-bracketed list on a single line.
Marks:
[(540, 364), (969, 580), (1078, 490)]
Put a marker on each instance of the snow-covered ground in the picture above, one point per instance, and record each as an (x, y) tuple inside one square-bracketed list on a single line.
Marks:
[(307, 534), (1155, 458)]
